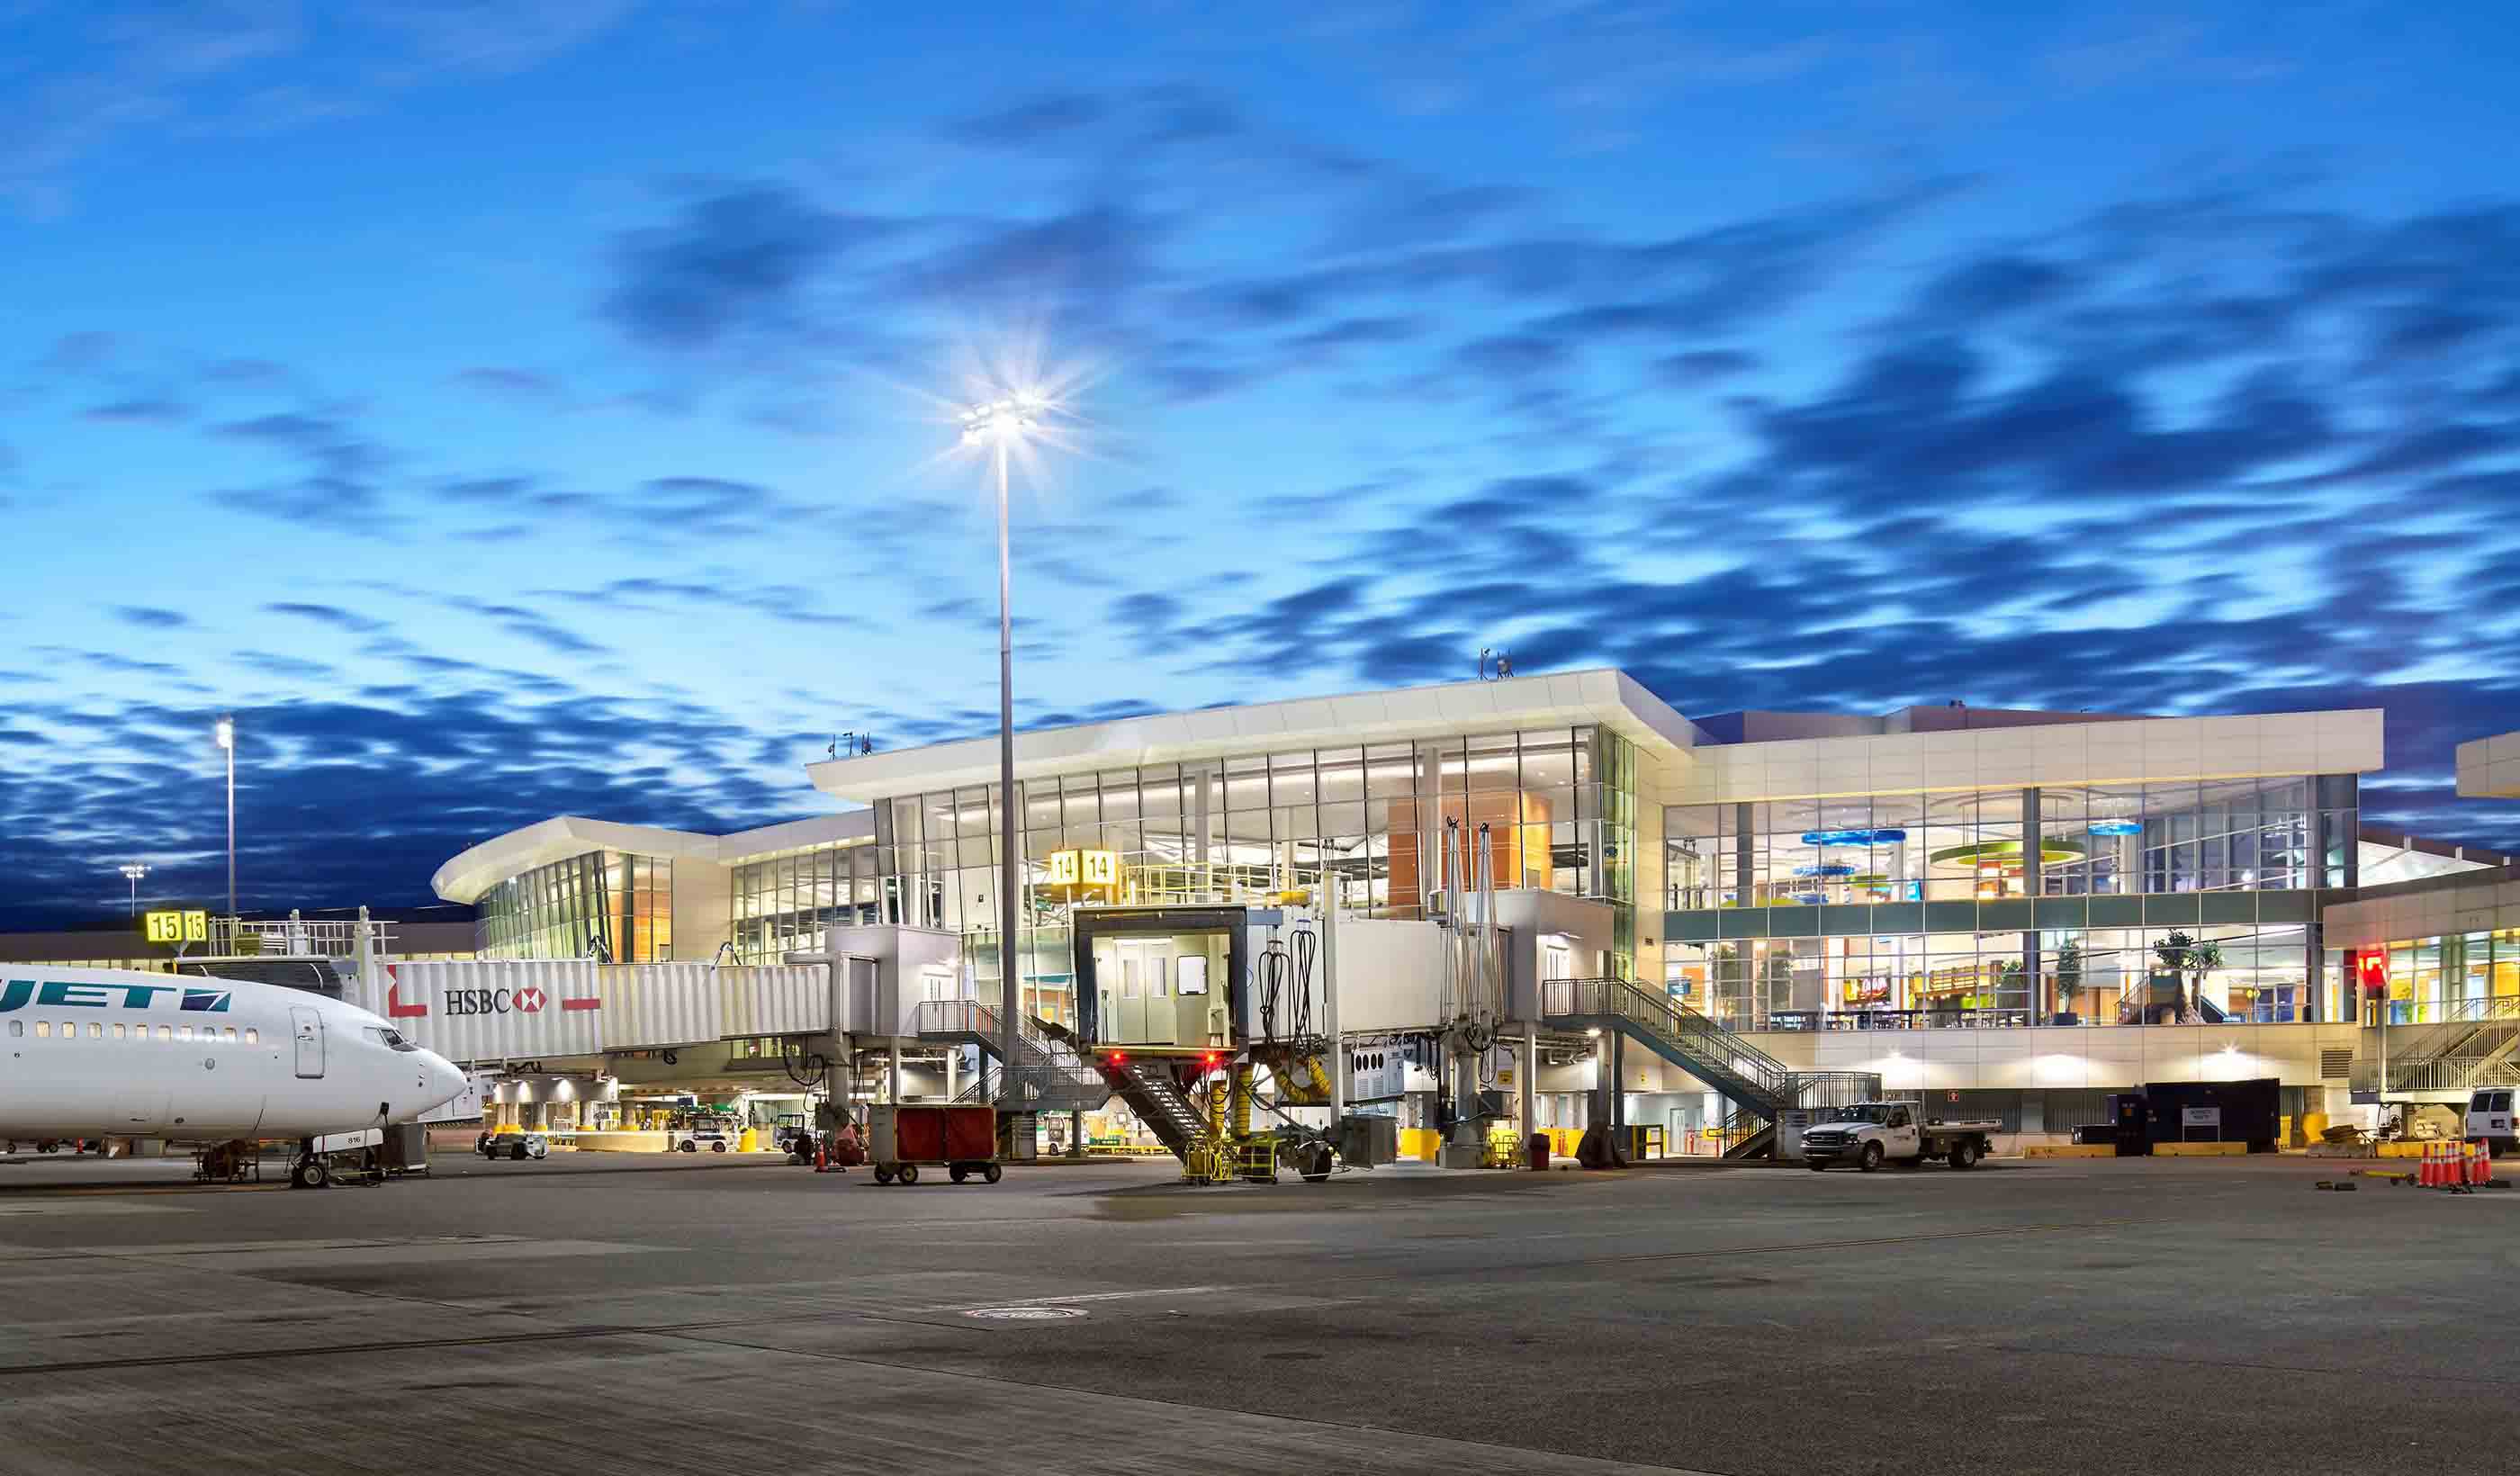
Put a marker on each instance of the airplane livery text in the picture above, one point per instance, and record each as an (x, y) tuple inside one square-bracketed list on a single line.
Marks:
[(16, 994)]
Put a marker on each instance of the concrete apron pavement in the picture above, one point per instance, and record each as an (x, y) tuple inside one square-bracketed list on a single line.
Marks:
[(2100, 1317)]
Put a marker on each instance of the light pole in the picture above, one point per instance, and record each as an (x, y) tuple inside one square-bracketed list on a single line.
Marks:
[(223, 733), (996, 427), (132, 872)]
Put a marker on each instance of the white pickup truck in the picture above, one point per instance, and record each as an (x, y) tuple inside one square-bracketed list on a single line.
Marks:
[(1869, 1134)]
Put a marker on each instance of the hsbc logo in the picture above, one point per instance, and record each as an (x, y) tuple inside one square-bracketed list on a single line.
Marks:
[(524, 999), (467, 1002)]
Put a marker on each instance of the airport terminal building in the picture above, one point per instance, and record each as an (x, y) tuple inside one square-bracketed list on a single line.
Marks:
[(2021, 909)]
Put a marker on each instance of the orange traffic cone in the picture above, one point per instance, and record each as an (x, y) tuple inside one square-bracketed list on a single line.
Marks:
[(2427, 1175)]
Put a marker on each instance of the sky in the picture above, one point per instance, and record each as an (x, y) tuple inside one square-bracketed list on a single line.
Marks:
[(537, 407)]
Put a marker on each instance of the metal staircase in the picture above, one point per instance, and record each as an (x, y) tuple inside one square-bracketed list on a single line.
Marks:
[(1742, 1073), (1746, 1135), (1152, 1093), (2444, 1060), (1756, 1083), (1159, 1103), (1049, 1075)]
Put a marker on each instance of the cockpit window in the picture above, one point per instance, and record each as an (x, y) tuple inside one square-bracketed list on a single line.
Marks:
[(389, 1038)]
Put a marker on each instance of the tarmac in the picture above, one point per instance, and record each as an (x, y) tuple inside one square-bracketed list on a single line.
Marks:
[(740, 1314)]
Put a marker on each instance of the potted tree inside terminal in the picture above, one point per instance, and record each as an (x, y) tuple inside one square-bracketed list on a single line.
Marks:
[(2069, 978), (2188, 959)]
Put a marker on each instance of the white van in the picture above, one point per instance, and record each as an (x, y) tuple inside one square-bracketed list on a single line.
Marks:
[(2490, 1121)]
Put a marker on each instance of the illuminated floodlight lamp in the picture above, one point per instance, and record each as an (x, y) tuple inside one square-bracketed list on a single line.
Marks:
[(1008, 418)]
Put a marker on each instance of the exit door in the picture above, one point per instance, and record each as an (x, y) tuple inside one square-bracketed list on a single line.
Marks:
[(310, 1040)]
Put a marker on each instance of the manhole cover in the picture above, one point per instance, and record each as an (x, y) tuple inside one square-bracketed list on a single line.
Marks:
[(1025, 1314)]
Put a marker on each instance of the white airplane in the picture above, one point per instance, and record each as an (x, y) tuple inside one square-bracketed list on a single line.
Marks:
[(96, 1052)]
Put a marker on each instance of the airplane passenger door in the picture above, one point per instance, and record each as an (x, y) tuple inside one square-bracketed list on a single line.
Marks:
[(310, 1040)]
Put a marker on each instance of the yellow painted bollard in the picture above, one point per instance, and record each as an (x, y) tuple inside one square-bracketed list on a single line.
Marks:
[(749, 1142)]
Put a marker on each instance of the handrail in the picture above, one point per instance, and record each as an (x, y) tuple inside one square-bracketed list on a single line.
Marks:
[(1683, 1026)]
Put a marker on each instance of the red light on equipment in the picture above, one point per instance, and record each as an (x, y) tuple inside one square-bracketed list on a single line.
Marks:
[(1117, 1057), (1208, 1059)]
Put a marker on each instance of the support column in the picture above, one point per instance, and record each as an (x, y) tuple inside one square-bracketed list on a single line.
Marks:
[(1741, 852), (892, 1072), (1334, 898), (954, 1060), (1530, 1078), (1618, 1112), (2031, 885)]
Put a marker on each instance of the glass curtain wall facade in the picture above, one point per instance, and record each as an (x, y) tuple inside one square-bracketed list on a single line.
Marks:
[(1559, 805), (1928, 860), (2460, 976), (610, 903), (781, 903), (2095, 839)]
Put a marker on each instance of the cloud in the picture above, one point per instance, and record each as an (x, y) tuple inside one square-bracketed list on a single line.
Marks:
[(340, 484), (93, 78), (150, 617), (332, 615), (494, 36), (79, 352), (532, 625), (522, 386), (139, 411), (1027, 123), (733, 261)]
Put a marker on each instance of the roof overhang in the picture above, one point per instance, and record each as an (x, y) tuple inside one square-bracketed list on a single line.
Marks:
[(1603, 697), (474, 873), (484, 866)]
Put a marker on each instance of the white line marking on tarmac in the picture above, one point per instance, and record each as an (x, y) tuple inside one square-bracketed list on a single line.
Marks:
[(1091, 1296)]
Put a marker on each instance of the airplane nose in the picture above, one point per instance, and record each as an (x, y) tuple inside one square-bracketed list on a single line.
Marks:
[(445, 1082)]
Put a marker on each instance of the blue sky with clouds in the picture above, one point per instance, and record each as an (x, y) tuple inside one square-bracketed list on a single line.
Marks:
[(531, 407)]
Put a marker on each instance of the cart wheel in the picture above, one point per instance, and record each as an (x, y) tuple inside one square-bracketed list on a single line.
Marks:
[(909, 1173), (883, 1176), (990, 1173), (517, 1152), (957, 1173), (690, 1147), (310, 1174)]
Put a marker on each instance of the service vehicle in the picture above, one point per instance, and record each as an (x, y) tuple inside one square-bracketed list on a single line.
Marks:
[(2490, 1120), (518, 1147), (717, 1138), (1869, 1134)]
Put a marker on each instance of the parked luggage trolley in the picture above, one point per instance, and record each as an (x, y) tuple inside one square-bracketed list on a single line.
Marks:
[(961, 1139)]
